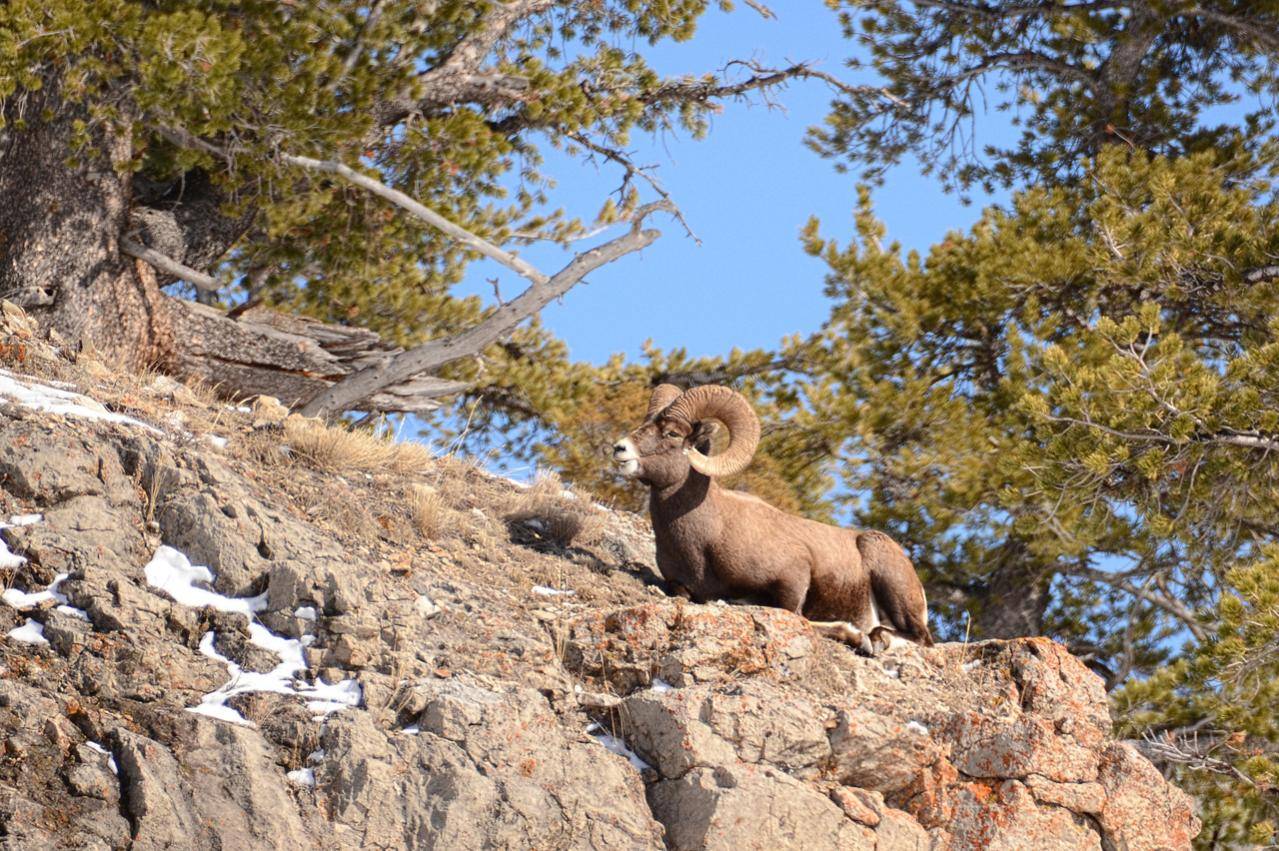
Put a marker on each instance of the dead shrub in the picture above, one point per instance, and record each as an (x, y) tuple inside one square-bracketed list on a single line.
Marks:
[(555, 515), (432, 517), (340, 449)]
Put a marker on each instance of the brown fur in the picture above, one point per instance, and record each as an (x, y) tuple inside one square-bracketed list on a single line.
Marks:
[(722, 544)]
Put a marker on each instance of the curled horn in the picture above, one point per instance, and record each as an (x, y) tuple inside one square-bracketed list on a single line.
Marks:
[(729, 407), (663, 395)]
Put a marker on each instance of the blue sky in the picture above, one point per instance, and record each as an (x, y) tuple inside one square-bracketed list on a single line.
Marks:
[(746, 191)]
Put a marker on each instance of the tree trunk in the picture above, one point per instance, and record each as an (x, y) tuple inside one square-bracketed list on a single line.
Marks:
[(1012, 605), (63, 212), (59, 227), (1014, 597)]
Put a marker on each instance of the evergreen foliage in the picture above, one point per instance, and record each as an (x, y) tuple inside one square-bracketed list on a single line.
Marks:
[(1080, 391), (1211, 716), (1073, 76)]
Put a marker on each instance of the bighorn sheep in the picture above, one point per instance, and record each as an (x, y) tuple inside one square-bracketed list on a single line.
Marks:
[(717, 544)]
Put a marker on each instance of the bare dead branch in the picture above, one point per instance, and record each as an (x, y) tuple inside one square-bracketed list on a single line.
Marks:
[(805, 71), (1169, 604), (199, 280), (632, 171), (434, 354), (1223, 437), (1264, 273), (460, 77), (434, 219)]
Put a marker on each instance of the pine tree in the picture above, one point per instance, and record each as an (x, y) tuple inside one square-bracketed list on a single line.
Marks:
[(1073, 76), (235, 144), (1068, 412), (1211, 716)]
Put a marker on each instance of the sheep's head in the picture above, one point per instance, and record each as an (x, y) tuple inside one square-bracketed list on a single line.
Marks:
[(677, 431)]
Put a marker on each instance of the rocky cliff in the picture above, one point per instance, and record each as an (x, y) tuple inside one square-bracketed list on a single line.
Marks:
[(225, 630)]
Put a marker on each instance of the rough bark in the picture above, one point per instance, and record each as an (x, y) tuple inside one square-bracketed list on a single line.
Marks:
[(60, 225), (185, 220), (1013, 602)]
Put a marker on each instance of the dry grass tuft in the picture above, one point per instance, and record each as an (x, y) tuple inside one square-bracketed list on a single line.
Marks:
[(340, 449), (432, 517), (556, 516)]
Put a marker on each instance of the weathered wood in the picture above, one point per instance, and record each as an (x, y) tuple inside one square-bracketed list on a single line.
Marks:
[(291, 358), (434, 354)]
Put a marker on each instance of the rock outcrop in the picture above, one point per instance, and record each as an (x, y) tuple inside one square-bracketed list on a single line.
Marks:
[(486, 688)]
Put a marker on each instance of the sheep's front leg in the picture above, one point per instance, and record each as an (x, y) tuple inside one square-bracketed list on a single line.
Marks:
[(845, 632)]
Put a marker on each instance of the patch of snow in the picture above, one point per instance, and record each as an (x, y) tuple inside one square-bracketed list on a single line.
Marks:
[(22, 600), (302, 777), (315, 756), (426, 607), (8, 559), (968, 666), (306, 613), (171, 572), (219, 711), (893, 672), (74, 612), (31, 632), (328, 698), (110, 758), (42, 397), (916, 727), (553, 592), (411, 730), (617, 746), (660, 685), (217, 440)]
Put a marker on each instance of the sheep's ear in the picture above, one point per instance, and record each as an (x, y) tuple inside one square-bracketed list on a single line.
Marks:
[(704, 435)]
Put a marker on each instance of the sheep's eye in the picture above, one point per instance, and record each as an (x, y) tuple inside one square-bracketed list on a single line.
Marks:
[(672, 434)]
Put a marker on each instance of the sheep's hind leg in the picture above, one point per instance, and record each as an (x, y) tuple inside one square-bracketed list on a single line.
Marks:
[(845, 632), (882, 638)]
